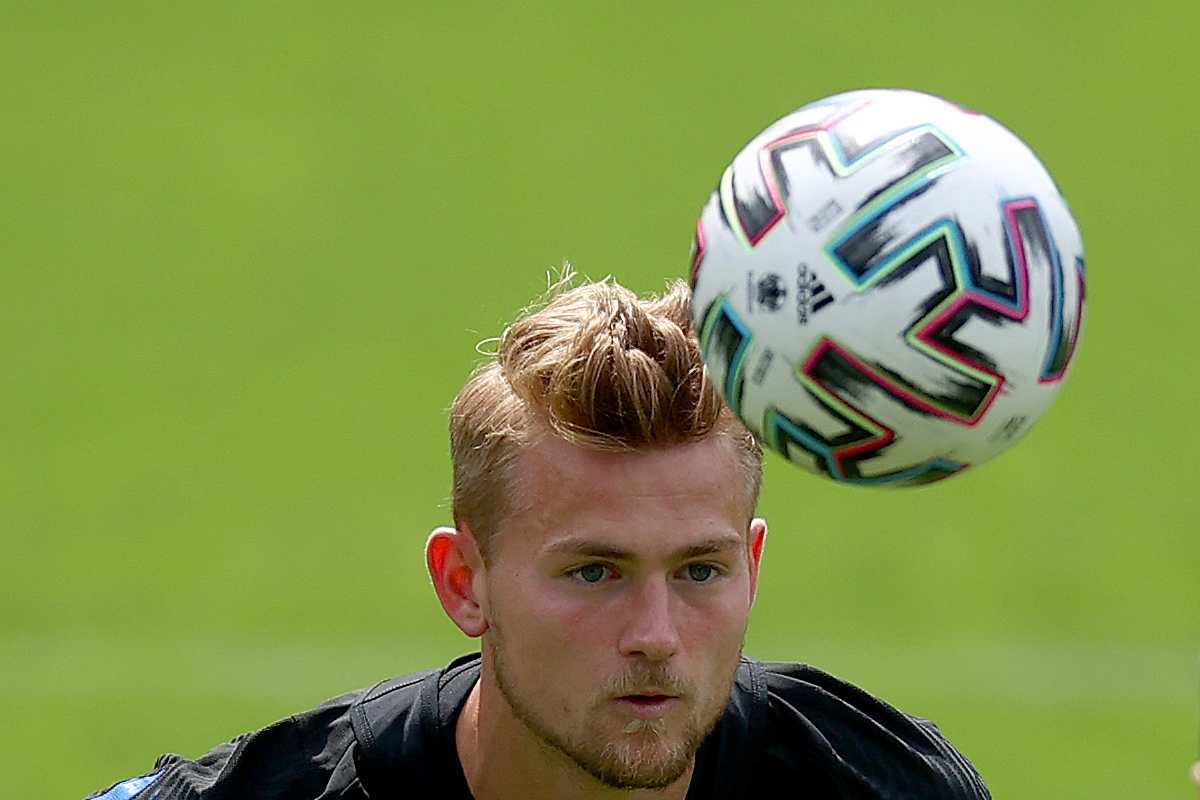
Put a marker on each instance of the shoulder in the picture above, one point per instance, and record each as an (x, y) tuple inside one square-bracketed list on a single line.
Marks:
[(297, 756), (309, 754), (862, 745)]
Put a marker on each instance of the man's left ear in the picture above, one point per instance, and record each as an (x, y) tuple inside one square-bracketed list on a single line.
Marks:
[(755, 539)]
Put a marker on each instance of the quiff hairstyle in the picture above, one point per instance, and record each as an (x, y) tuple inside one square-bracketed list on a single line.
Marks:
[(598, 367)]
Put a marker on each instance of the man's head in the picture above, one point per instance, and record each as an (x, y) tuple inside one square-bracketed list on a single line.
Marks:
[(603, 543)]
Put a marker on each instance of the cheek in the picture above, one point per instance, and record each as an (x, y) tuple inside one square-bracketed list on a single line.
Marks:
[(535, 615), (717, 624), (580, 623)]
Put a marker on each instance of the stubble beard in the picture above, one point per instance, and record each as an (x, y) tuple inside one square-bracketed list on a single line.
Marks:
[(641, 756)]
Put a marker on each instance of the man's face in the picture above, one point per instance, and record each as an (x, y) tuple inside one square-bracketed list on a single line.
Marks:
[(618, 602)]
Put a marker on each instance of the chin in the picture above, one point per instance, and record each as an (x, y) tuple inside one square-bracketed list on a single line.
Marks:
[(652, 756), (648, 765)]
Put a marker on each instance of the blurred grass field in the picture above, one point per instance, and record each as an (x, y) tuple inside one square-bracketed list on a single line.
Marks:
[(249, 249)]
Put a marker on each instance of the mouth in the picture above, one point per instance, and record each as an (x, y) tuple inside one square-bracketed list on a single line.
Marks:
[(647, 706)]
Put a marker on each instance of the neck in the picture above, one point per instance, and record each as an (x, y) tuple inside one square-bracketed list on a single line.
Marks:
[(502, 758)]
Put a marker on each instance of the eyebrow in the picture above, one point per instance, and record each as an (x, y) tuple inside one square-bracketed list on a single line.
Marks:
[(583, 546)]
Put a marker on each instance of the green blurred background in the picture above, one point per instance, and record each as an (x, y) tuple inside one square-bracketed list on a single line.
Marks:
[(248, 249)]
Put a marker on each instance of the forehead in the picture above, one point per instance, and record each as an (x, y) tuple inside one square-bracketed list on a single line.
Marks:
[(668, 496)]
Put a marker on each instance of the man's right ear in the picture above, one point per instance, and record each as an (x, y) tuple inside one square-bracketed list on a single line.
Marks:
[(456, 567)]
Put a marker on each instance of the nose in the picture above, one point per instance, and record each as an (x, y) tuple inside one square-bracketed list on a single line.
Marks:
[(651, 630)]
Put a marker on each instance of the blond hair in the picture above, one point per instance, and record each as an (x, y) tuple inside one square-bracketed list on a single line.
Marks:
[(598, 367)]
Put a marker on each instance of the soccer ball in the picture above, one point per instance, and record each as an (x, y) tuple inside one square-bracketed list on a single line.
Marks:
[(887, 288)]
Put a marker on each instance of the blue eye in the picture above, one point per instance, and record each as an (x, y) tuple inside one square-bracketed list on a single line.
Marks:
[(592, 573), (701, 573)]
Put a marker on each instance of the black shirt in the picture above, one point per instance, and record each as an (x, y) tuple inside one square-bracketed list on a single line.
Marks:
[(787, 726)]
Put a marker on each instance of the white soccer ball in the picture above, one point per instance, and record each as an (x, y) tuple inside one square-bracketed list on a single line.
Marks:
[(887, 288)]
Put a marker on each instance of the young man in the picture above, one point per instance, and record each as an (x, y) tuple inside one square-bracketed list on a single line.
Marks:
[(606, 553)]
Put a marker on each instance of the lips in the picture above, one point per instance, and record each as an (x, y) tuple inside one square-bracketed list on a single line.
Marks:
[(647, 706), (649, 691)]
